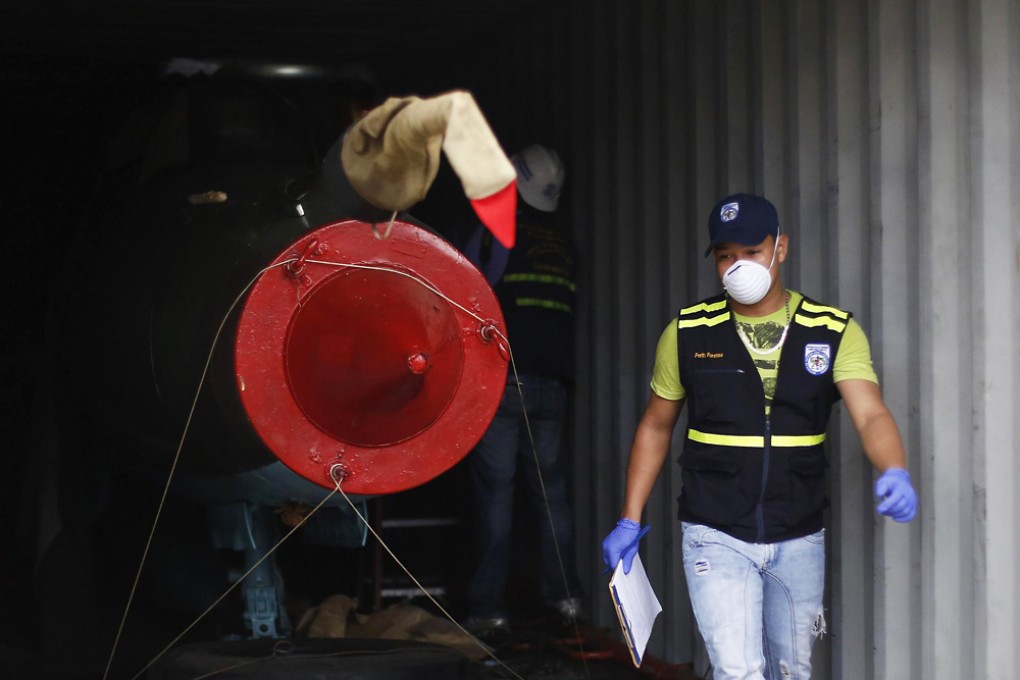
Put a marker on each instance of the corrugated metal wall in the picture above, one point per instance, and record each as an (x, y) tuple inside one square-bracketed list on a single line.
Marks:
[(888, 135)]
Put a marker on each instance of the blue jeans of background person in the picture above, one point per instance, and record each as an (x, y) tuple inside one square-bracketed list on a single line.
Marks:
[(758, 605), (503, 455)]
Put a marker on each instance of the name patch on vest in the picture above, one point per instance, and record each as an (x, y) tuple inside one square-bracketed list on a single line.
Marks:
[(816, 358), (708, 355)]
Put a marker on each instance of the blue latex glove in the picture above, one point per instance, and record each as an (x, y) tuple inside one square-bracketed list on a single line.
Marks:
[(622, 543), (899, 500)]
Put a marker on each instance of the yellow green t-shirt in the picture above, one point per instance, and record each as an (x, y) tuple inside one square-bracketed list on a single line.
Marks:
[(853, 361)]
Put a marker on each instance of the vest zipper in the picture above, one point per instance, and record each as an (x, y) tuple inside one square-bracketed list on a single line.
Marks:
[(760, 512), (767, 452)]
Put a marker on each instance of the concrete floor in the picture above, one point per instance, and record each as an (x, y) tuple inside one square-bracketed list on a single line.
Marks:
[(533, 658)]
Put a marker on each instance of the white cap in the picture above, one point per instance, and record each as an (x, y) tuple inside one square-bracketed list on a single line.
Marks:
[(540, 176)]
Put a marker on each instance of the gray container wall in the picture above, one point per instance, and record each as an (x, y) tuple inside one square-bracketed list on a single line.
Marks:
[(887, 135)]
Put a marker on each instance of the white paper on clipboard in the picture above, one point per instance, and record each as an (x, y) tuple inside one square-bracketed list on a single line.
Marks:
[(636, 606)]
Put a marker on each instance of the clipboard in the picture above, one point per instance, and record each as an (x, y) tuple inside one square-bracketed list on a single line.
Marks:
[(636, 606)]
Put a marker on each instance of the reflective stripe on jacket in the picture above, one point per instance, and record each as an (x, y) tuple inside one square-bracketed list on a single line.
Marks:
[(758, 478)]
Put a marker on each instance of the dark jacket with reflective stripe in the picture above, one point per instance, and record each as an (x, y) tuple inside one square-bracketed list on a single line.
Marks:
[(756, 478), (537, 292)]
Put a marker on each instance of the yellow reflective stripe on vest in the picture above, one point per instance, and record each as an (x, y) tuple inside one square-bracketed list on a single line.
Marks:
[(541, 278), (754, 441), (789, 440), (812, 321), (704, 307), (748, 441), (704, 321), (546, 304), (822, 309)]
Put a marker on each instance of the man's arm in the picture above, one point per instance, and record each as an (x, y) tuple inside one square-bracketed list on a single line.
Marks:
[(883, 447), (648, 452), (874, 423)]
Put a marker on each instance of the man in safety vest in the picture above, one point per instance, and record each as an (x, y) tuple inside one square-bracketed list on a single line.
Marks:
[(759, 368), (534, 282)]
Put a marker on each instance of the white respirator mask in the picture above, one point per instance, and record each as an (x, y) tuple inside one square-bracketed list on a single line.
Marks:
[(747, 282)]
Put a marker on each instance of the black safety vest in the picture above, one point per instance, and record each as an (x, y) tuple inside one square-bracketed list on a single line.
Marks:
[(536, 293), (758, 478)]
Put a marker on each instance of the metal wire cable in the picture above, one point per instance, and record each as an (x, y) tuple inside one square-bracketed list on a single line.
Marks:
[(233, 585), (173, 466), (548, 512), (422, 588)]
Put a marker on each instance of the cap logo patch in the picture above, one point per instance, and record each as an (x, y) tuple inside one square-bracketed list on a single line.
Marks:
[(816, 358), (729, 212)]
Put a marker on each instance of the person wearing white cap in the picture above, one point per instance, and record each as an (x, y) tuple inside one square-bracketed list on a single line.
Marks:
[(759, 368), (534, 281)]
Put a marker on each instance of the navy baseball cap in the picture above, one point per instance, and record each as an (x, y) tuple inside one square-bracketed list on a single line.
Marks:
[(741, 218)]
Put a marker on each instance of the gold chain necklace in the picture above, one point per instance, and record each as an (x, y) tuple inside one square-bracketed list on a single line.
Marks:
[(762, 352)]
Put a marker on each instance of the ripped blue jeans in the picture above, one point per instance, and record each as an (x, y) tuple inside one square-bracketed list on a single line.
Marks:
[(758, 605)]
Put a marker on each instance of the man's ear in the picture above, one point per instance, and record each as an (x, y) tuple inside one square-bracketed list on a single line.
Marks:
[(782, 247)]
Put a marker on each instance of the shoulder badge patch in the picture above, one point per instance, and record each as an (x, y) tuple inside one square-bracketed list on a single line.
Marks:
[(816, 358)]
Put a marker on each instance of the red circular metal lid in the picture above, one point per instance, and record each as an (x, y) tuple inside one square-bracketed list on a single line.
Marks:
[(350, 353)]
